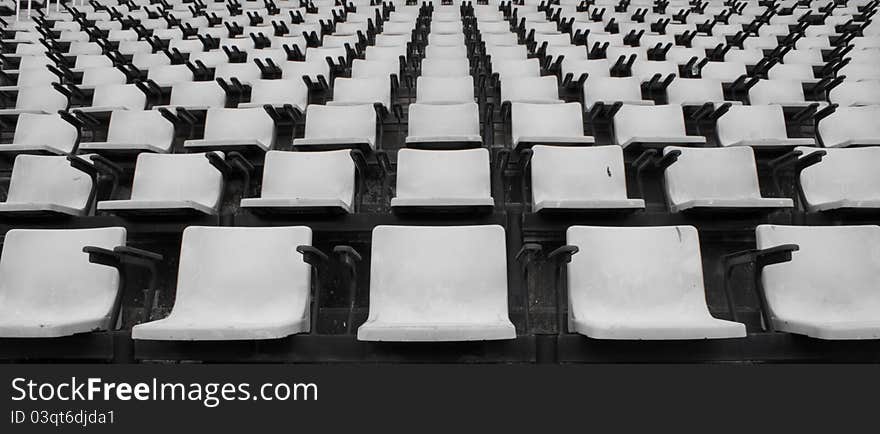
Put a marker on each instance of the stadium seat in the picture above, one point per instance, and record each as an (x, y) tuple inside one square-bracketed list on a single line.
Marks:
[(696, 92), (116, 97), (844, 179), (334, 127), (237, 284), (46, 186), (856, 93), (548, 124), (652, 126), (178, 184), (716, 179), (828, 290), (238, 129), (430, 283), (609, 90), (445, 67), (133, 131), (348, 91), (850, 126), (443, 180), (37, 133), (530, 90), (756, 126), (50, 289), (566, 178), (444, 90), (301, 182), (444, 126), (278, 93), (38, 100), (610, 297)]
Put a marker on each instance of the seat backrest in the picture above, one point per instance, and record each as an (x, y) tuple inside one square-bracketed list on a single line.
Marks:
[(577, 173), (445, 67), (328, 122), (280, 92), (507, 52), (46, 271), (312, 175), (547, 120), (444, 174), (727, 72), (38, 76), (712, 173), (444, 120), (856, 93), (119, 95), (644, 70), (374, 68), (103, 75), (298, 70), (44, 130), (612, 89), (695, 91), (245, 72), (233, 273), (743, 123), (832, 277), (603, 285), (445, 90), (240, 124), (48, 179), (144, 127), (446, 39), (362, 91), (450, 274), (649, 121), (169, 75), (516, 68), (176, 177), (842, 174), (776, 92), (198, 93), (530, 89)]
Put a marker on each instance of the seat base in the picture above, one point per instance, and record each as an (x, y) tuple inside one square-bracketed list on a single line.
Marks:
[(173, 329), (144, 208), (442, 205), (842, 330), (281, 207), (599, 206), (672, 329), (444, 143), (334, 144), (36, 210), (763, 204), (392, 332)]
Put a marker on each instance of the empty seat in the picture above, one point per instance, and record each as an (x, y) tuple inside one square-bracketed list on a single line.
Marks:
[(530, 89), (652, 126), (608, 90), (130, 131), (37, 99), (299, 182), (278, 93), (856, 93), (829, 288), (36, 133), (50, 289), (789, 93), (445, 67), (716, 179), (116, 97), (695, 91), (758, 126), (170, 184), (444, 90), (237, 284), (444, 125), (46, 185), (640, 283), (533, 124), (169, 75), (196, 95), (845, 179), (244, 128), (443, 180), (334, 127), (850, 126), (362, 91), (566, 178), (438, 284)]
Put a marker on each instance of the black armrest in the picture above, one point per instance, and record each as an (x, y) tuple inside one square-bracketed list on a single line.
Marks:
[(760, 258), (528, 253), (124, 255), (313, 256), (220, 164)]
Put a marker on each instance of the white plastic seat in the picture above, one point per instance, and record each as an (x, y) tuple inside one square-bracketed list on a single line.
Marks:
[(169, 75), (46, 185), (48, 286), (38, 133), (787, 93), (640, 283), (196, 95), (237, 284), (444, 125), (116, 97), (437, 180), (100, 76), (696, 91), (845, 179), (652, 126), (431, 283), (548, 124), (236, 128), (530, 89), (609, 90), (716, 179), (349, 91), (31, 77), (132, 130), (850, 126), (829, 288), (37, 99), (445, 67), (375, 68), (246, 73), (579, 178), (312, 70), (727, 72), (446, 39), (861, 71), (792, 71), (446, 52), (305, 181), (332, 127), (170, 184), (506, 69), (444, 90), (757, 126), (278, 93), (856, 93)]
